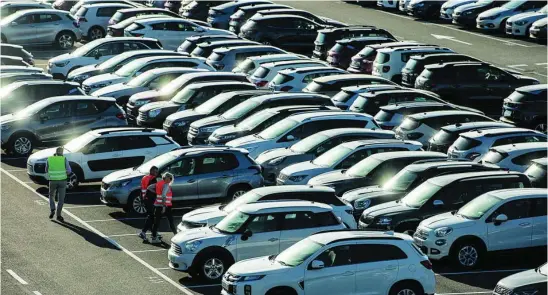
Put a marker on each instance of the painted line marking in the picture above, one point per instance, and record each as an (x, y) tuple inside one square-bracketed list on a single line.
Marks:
[(120, 219), (17, 277), (517, 66), (535, 73), (83, 206), (480, 271), (204, 286), (111, 241), (163, 268), (481, 292), (36, 293), (442, 37), (541, 63), (14, 158), (17, 170), (154, 250), (134, 234)]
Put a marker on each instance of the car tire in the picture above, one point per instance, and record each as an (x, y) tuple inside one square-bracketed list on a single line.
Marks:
[(539, 125), (237, 191), (502, 27), (211, 266), (65, 40), (21, 144), (74, 179), (467, 254), (406, 288), (135, 204), (281, 291), (95, 33)]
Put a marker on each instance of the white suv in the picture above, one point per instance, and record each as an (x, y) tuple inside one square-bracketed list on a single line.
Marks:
[(298, 126), (348, 95), (294, 80), (342, 156), (516, 157), (252, 63), (252, 230), (337, 263), (100, 152), (390, 61), (474, 144), (93, 18), (267, 71), (211, 215), (498, 220)]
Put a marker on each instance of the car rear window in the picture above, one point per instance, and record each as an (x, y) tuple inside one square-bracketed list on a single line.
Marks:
[(320, 38), (410, 124), (368, 53), (215, 56), (382, 58), (384, 116), (315, 86), (261, 72), (281, 79), (426, 74), (444, 136), (338, 47), (414, 65), (494, 157), (465, 143), (522, 97), (118, 16), (134, 27), (82, 11), (343, 96), (250, 24)]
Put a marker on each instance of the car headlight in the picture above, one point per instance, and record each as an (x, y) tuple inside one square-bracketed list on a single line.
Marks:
[(192, 246), (250, 278), (521, 22), (526, 292), (362, 204), (276, 161), (141, 102), (443, 231), (384, 221), (6, 127), (61, 64), (154, 113), (81, 77), (209, 129), (101, 85), (227, 137), (472, 156), (121, 183), (468, 12), (297, 178), (179, 123)]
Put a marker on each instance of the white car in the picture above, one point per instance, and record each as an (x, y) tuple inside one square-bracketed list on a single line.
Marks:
[(266, 72), (337, 263), (518, 25), (403, 5), (342, 156), (100, 152), (474, 144), (211, 215), (448, 8), (346, 97), (93, 18), (495, 18), (139, 66), (298, 126), (171, 32), (498, 220), (80, 3), (295, 79), (226, 59), (516, 157), (252, 63), (251, 230), (95, 52), (388, 4)]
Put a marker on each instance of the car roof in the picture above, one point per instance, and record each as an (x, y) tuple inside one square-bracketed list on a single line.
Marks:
[(422, 166), (370, 143), (411, 105), (362, 38), (425, 115), (198, 149), (162, 19), (235, 48), (128, 130), (11, 45), (324, 114), (238, 2), (106, 40), (329, 237), (375, 87), (217, 83), (41, 10), (227, 42), (427, 56), (444, 180), (412, 48), (271, 56), (198, 37), (288, 95), (541, 161), (100, 5), (10, 57), (455, 63), (523, 146), (407, 154), (349, 28), (510, 193), (305, 70), (147, 9), (276, 16), (284, 206), (158, 71), (498, 132), (334, 78), (77, 97), (533, 88), (42, 82), (353, 131), (168, 57), (280, 189), (474, 125), (400, 90), (281, 63), (296, 108)]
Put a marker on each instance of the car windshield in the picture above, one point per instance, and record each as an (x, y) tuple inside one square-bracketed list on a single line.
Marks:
[(363, 167), (171, 87), (159, 162), (314, 86), (420, 195), (245, 67), (543, 269), (255, 120), (307, 144), (465, 143), (79, 142), (130, 69), (384, 116), (401, 181), (7, 90), (343, 96), (184, 95), (112, 62), (142, 80), (513, 4), (543, 10), (85, 49), (240, 110), (409, 124), (298, 253), (476, 208), (444, 136), (232, 222), (332, 156), (246, 198), (536, 171), (494, 157), (209, 106), (278, 129)]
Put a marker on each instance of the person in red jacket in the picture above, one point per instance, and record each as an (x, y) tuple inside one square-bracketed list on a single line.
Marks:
[(149, 197), (163, 205)]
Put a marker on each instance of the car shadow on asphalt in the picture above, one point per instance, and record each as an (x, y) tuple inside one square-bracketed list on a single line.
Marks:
[(15, 162), (88, 235), (89, 195)]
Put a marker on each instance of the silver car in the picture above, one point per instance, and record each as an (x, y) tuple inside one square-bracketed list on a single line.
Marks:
[(41, 26)]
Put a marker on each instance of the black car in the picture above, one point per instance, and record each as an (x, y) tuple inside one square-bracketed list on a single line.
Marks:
[(219, 16), (466, 15), (477, 85), (429, 9), (537, 172), (173, 87), (177, 124), (341, 53), (315, 18), (406, 180), (246, 12), (326, 38), (206, 48), (443, 139), (198, 9), (8, 78), (288, 32), (415, 65), (17, 50), (19, 95), (260, 121), (173, 5), (435, 196), (538, 30), (191, 42), (391, 116), (532, 281), (526, 107), (193, 95), (200, 130), (8, 60), (374, 170)]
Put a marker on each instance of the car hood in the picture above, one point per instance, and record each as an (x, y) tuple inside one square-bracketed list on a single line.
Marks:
[(468, 7), (157, 105), (83, 70), (525, 78), (333, 22), (124, 174), (304, 168), (150, 94), (9, 118), (43, 155), (113, 88), (524, 278), (199, 233), (231, 129), (447, 219), (388, 209), (245, 141), (531, 16), (274, 153), (62, 57), (495, 11), (209, 121), (207, 215), (452, 4), (371, 192), (103, 78), (257, 266), (186, 115), (329, 177)]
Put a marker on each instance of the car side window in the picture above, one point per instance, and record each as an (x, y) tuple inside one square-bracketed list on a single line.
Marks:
[(111, 48), (85, 108), (159, 27), (56, 111), (264, 223), (107, 11), (183, 167), (325, 218), (336, 256), (211, 163), (309, 78), (516, 209), (325, 146), (526, 158), (492, 74), (98, 146), (367, 253), (298, 220), (27, 19), (355, 158), (538, 207), (46, 18), (137, 142)]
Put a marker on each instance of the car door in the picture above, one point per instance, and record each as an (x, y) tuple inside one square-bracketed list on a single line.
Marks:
[(264, 239), (215, 173), (516, 232), (185, 186), (338, 275), (307, 32), (538, 215), (102, 156), (377, 267), (104, 14), (48, 24), (55, 122), (137, 150), (23, 29), (299, 225), (85, 116)]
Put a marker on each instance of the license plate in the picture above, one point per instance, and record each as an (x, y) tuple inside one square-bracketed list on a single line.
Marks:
[(507, 114), (224, 285), (418, 242)]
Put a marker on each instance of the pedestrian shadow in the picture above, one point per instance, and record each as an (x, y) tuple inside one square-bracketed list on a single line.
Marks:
[(88, 235)]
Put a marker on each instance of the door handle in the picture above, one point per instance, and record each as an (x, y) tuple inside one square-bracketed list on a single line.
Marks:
[(391, 267), (348, 273), (191, 181), (272, 239), (524, 224)]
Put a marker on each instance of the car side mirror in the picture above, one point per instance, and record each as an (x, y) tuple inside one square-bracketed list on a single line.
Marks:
[(290, 138), (317, 264), (246, 235), (438, 203), (500, 219), (98, 55), (43, 118)]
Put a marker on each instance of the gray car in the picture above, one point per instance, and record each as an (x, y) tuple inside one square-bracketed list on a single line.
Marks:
[(199, 173), (8, 78), (40, 26), (532, 281), (57, 119)]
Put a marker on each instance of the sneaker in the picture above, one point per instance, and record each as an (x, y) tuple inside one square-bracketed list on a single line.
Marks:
[(143, 236), (156, 240), (51, 214), (60, 218)]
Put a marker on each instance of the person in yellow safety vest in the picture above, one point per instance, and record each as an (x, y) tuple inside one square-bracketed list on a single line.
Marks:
[(57, 170), (162, 205)]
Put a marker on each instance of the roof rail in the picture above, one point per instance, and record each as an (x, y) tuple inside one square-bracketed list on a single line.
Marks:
[(443, 160)]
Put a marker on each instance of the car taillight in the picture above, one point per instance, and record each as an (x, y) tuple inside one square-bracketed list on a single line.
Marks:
[(136, 34), (121, 116), (261, 83), (427, 264), (385, 69)]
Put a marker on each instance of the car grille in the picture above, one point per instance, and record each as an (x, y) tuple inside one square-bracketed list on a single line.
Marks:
[(105, 186), (40, 168), (142, 116), (457, 13), (508, 23), (87, 89), (193, 131), (189, 225), (318, 48), (421, 234), (176, 249), (500, 290)]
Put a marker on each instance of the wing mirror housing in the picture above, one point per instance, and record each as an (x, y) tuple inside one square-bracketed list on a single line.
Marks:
[(98, 55), (246, 235), (316, 264), (501, 218), (438, 203), (290, 138)]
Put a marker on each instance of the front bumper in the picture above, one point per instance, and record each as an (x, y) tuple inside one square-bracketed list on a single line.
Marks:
[(114, 197), (180, 261), (516, 30), (178, 134), (426, 241), (195, 137), (446, 14), (38, 179), (537, 33), (464, 20), (420, 12), (487, 25), (372, 226)]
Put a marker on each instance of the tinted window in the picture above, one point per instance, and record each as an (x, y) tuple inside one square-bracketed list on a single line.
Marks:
[(264, 223), (526, 158), (298, 220), (183, 167), (217, 162), (517, 209), (85, 108), (136, 142), (46, 18), (538, 207), (57, 111), (107, 11), (336, 256), (366, 253)]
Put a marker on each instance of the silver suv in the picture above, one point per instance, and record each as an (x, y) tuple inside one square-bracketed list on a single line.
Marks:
[(199, 173)]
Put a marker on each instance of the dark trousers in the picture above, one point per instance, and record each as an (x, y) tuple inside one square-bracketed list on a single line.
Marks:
[(150, 214), (158, 218)]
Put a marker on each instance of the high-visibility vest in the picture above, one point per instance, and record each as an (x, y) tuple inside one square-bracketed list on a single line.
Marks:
[(145, 181), (159, 199), (56, 168)]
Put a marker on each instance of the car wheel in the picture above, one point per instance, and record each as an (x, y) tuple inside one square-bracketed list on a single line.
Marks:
[(95, 33), (136, 204), (502, 27), (267, 42), (213, 267), (237, 192), (65, 40), (21, 145), (73, 181), (406, 289), (540, 126), (467, 254), (4, 40)]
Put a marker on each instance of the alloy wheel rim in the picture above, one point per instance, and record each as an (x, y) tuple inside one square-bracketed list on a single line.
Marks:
[(139, 206), (267, 43), (468, 256), (406, 292), (72, 181), (213, 268), (65, 41), (541, 127), (22, 145), (96, 34), (238, 194)]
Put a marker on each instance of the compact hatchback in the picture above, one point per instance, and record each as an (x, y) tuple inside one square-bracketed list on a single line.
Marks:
[(17, 50), (190, 43), (515, 157), (415, 65), (446, 136), (526, 107), (219, 15), (267, 71), (495, 18), (252, 63), (537, 172), (226, 59), (390, 116), (93, 19), (331, 85), (9, 78), (294, 80), (205, 49)]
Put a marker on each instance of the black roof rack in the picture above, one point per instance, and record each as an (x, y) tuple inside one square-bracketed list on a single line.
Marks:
[(443, 160), (113, 130)]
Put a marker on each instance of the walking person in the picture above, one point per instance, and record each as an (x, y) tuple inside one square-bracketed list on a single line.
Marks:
[(57, 170), (148, 195), (163, 204)]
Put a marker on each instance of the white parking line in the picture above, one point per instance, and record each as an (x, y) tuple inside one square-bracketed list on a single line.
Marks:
[(203, 286), (111, 241), (535, 73), (479, 271), (133, 234), (517, 66), (36, 293), (17, 277), (541, 63), (121, 219), (154, 250), (481, 292), (83, 206), (17, 170)]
